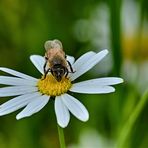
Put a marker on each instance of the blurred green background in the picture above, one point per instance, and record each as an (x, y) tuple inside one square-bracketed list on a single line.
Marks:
[(121, 26)]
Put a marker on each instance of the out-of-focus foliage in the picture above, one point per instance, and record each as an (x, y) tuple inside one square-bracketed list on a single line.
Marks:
[(120, 26)]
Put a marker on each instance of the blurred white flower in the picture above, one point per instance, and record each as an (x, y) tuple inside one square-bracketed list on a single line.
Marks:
[(34, 94), (90, 138), (97, 26), (134, 45)]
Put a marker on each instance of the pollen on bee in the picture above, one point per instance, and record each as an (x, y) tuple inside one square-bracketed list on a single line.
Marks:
[(50, 86)]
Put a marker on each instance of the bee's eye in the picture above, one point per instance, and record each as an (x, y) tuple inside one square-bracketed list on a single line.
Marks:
[(46, 58)]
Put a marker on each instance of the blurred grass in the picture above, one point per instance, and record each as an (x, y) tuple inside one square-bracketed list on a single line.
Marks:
[(26, 25), (115, 31)]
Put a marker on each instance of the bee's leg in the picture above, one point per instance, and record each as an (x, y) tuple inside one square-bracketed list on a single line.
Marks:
[(46, 72), (45, 65), (71, 69), (66, 72)]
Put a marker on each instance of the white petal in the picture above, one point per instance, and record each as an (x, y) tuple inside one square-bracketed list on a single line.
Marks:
[(16, 90), (82, 60), (62, 113), (16, 73), (33, 107), (38, 62), (16, 81), (16, 103), (71, 59), (100, 81), (88, 64), (92, 89), (75, 107)]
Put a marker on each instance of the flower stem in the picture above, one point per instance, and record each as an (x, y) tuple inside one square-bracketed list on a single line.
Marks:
[(61, 137), (132, 119)]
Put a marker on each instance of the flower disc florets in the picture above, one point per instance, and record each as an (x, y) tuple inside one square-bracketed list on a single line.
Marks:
[(50, 86)]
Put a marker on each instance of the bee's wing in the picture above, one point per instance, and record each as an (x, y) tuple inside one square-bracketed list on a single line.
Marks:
[(53, 44), (58, 43), (48, 44)]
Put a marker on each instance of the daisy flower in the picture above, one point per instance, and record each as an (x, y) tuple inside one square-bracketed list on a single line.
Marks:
[(33, 94)]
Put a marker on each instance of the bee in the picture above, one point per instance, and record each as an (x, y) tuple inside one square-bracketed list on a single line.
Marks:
[(55, 60)]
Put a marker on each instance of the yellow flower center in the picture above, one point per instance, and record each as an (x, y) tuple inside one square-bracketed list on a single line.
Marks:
[(50, 86)]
